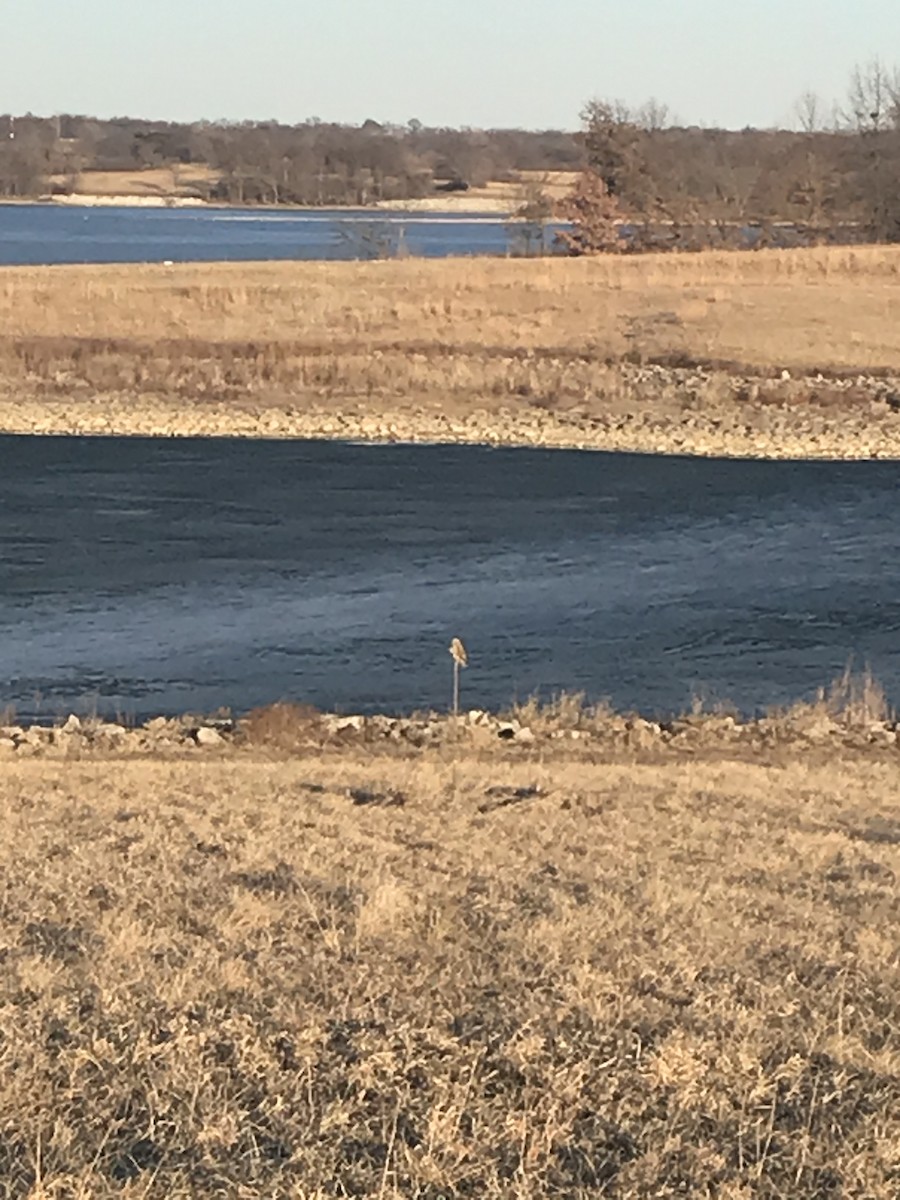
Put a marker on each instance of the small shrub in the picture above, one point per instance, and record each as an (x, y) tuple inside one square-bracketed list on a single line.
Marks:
[(281, 726)]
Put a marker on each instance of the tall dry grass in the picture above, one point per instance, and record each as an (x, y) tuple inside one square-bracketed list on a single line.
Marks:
[(442, 976), (521, 329)]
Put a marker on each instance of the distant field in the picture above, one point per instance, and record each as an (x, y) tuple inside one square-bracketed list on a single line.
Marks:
[(190, 180), (380, 976), (196, 180)]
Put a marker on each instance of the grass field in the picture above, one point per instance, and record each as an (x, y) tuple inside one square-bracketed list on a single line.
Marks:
[(505, 975), (449, 333), (830, 308), (192, 179)]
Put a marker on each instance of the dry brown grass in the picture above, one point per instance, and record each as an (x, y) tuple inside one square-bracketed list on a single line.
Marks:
[(282, 726), (471, 327), (822, 307), (511, 193), (348, 975), (187, 180)]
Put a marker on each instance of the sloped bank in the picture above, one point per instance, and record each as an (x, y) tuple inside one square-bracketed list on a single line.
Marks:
[(285, 728), (650, 409)]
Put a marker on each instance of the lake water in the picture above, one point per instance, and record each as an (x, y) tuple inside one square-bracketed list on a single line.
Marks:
[(48, 233), (141, 576)]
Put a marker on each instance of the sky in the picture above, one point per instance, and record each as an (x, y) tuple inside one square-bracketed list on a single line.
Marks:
[(481, 63)]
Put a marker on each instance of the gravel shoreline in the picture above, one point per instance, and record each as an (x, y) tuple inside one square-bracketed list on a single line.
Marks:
[(670, 411), (566, 728)]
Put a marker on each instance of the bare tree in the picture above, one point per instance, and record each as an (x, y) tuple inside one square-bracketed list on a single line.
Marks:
[(26, 150), (528, 230), (810, 113), (653, 116), (873, 115), (873, 98)]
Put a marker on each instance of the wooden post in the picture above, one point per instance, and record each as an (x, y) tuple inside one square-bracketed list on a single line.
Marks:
[(460, 659)]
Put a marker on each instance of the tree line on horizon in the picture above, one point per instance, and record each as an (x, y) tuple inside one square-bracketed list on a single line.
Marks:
[(837, 175)]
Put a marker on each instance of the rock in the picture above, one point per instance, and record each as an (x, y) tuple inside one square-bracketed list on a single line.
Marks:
[(815, 727), (416, 735), (720, 724), (354, 724), (109, 732), (37, 735), (641, 734), (66, 743), (7, 745), (881, 734), (72, 724), (507, 730), (205, 736), (222, 724), (525, 735)]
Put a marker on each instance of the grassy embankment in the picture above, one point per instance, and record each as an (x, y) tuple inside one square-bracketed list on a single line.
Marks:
[(541, 351), (506, 974)]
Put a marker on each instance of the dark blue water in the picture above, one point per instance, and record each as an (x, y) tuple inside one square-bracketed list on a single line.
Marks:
[(141, 576), (47, 233)]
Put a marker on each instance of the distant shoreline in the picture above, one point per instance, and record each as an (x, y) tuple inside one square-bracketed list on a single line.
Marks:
[(453, 204), (770, 355)]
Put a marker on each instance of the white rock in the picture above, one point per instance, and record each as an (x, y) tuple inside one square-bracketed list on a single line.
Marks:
[(7, 746), (104, 730), (72, 724), (342, 724), (816, 727), (881, 735), (204, 736)]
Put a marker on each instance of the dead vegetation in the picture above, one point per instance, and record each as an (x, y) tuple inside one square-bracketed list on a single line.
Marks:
[(851, 716), (457, 330), (449, 976), (282, 726), (769, 354)]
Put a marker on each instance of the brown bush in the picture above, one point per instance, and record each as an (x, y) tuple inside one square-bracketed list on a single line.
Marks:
[(281, 726)]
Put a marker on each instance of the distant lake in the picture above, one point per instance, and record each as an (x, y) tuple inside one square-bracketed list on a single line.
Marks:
[(145, 576), (48, 233)]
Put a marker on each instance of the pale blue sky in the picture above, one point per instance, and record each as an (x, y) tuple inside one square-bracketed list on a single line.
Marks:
[(529, 63)]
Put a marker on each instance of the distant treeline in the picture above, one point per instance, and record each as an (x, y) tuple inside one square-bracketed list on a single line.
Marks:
[(836, 177), (312, 163), (834, 171)]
